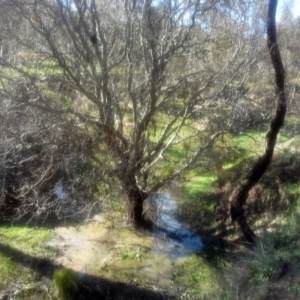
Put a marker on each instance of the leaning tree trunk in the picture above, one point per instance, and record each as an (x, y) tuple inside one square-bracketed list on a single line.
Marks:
[(239, 196)]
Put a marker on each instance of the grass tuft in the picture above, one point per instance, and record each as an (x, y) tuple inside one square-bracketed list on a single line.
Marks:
[(65, 283)]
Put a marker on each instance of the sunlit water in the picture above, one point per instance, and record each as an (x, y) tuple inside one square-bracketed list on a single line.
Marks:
[(172, 237), (66, 204), (93, 248)]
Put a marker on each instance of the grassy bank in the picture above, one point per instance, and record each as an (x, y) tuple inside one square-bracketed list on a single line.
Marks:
[(235, 273), (269, 269), (22, 251), (198, 278)]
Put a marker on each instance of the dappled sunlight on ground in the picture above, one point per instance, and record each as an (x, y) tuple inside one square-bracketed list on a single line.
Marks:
[(112, 250), (115, 253)]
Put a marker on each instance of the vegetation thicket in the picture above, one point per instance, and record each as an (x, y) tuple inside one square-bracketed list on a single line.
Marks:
[(142, 79), (104, 105)]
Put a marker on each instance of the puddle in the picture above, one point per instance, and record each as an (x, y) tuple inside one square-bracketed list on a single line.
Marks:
[(118, 253)]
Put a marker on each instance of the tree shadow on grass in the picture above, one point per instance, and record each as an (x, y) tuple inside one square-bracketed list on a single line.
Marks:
[(87, 286)]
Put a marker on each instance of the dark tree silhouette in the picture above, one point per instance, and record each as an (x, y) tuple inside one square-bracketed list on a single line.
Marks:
[(239, 195)]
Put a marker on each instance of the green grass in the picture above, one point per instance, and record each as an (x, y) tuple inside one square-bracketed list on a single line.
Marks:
[(251, 277), (292, 191), (30, 241), (279, 245), (176, 152), (8, 270), (291, 127), (133, 254), (197, 199), (199, 279), (198, 185), (253, 142), (198, 190), (65, 282), (295, 288), (128, 255), (33, 68)]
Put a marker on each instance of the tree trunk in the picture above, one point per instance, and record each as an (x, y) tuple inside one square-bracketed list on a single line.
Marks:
[(240, 194), (136, 209)]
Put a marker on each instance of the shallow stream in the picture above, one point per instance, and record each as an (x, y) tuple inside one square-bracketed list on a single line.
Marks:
[(173, 238), (101, 248)]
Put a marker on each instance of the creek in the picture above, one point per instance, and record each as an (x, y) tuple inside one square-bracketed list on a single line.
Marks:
[(173, 238), (107, 248)]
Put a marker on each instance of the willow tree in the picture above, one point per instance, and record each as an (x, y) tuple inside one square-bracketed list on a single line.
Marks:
[(133, 73)]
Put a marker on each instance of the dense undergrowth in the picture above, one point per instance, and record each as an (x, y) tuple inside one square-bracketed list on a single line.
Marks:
[(271, 268), (231, 272)]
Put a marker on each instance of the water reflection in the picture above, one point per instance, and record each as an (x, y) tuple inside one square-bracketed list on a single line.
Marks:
[(172, 237), (98, 247), (66, 203), (59, 192)]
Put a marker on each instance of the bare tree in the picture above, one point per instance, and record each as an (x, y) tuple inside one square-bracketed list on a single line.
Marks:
[(44, 174), (135, 74)]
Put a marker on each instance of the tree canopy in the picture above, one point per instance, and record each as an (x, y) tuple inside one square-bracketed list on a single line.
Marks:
[(137, 79)]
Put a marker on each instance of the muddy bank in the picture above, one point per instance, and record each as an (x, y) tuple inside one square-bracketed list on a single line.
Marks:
[(107, 248), (118, 254)]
